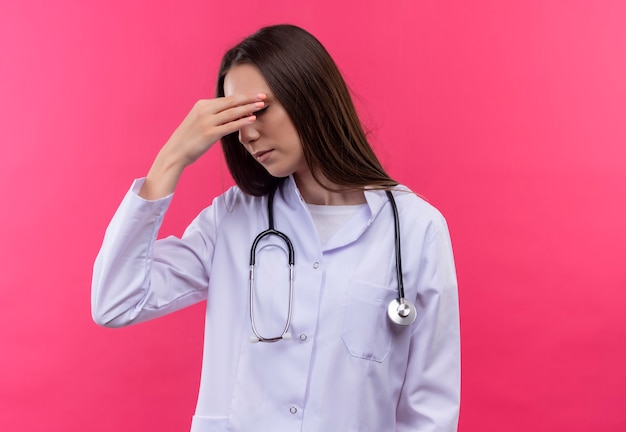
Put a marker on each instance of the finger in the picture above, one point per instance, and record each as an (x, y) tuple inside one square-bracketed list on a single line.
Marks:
[(228, 102), (239, 112), (234, 126)]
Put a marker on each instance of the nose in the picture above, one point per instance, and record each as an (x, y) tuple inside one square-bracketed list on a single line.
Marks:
[(248, 134)]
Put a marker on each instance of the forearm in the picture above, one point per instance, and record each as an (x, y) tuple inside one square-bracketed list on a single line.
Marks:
[(136, 277), (121, 269), (163, 175)]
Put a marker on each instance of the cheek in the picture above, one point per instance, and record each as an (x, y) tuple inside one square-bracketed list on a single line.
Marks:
[(290, 133), (284, 129)]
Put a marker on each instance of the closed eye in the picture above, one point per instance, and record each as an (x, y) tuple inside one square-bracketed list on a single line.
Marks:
[(261, 111)]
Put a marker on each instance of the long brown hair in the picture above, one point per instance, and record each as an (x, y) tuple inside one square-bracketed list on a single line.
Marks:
[(306, 81)]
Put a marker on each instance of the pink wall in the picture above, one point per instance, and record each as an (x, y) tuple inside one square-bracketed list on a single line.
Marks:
[(507, 115)]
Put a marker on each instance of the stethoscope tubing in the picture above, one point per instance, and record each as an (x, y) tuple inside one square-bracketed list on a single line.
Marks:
[(291, 259), (400, 310), (396, 235)]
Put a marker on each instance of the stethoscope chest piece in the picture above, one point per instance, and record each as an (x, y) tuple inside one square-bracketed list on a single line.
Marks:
[(402, 312)]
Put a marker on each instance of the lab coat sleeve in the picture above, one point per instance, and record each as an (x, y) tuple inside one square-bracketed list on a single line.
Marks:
[(136, 277), (430, 396)]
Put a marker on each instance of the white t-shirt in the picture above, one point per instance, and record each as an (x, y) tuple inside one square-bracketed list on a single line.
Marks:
[(329, 218)]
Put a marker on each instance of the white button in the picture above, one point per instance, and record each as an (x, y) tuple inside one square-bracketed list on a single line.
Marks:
[(303, 337), (316, 265), (293, 410)]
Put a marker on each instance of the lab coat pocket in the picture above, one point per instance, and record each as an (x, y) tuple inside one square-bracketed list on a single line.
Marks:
[(365, 329), (209, 424)]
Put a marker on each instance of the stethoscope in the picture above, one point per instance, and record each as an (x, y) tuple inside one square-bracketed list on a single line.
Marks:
[(400, 311)]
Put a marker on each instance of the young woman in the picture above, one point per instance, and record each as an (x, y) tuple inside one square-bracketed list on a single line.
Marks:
[(325, 322)]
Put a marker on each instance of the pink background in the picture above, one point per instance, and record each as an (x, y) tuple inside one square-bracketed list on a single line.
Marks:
[(507, 115)]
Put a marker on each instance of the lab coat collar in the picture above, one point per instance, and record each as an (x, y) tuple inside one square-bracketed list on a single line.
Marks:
[(376, 199), (291, 193)]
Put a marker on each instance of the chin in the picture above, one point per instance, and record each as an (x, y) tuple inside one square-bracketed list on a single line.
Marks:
[(278, 172)]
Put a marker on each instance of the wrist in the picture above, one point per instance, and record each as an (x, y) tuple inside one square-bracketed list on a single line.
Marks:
[(162, 177)]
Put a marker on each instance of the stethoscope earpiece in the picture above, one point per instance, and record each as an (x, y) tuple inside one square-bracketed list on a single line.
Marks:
[(402, 312)]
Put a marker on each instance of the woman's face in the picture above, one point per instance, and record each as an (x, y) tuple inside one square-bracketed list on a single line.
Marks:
[(272, 139)]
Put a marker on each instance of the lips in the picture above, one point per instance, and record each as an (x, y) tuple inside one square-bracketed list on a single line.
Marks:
[(261, 156)]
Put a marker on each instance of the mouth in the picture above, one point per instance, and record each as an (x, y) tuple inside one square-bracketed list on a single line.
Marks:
[(261, 156)]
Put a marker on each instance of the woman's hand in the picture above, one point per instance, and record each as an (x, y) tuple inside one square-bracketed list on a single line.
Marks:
[(206, 123)]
